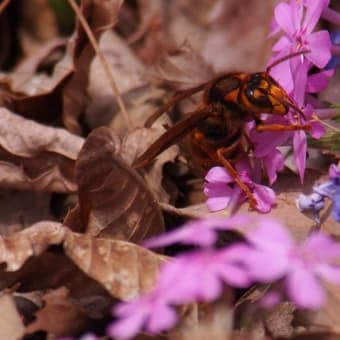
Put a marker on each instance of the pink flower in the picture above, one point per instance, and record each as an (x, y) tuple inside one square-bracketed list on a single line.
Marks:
[(301, 266), (269, 255), (222, 191), (198, 232), (196, 276), (297, 24)]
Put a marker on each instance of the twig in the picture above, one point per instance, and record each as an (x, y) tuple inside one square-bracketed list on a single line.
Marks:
[(103, 62)]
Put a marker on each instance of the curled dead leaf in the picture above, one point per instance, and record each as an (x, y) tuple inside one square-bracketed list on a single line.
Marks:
[(17, 248), (182, 69), (114, 200), (126, 270), (36, 157), (101, 15)]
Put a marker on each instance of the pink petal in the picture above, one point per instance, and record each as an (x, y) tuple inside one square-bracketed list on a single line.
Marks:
[(319, 81), (322, 245), (209, 285), (283, 17), (300, 152), (217, 189), (273, 163), (313, 14), (282, 73), (162, 318), (282, 44), (329, 273), (269, 235), (320, 48), (265, 198), (300, 77), (218, 174), (128, 327), (217, 203), (265, 266), (304, 289)]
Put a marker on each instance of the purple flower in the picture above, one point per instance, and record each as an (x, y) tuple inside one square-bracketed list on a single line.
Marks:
[(329, 189), (222, 190), (275, 256), (297, 24)]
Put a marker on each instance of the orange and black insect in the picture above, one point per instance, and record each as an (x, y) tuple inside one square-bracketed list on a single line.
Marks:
[(215, 133)]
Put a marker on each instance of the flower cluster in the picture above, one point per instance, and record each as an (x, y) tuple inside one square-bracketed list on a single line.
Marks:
[(301, 76), (269, 255), (315, 202)]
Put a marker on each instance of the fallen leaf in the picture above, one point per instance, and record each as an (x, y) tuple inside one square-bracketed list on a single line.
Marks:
[(36, 157), (131, 79), (230, 44), (17, 248), (101, 15), (125, 269), (182, 69), (278, 321), (59, 316), (135, 143), (114, 201), (11, 326)]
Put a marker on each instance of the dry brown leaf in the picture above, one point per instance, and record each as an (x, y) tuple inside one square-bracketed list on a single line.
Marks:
[(37, 25), (237, 40), (278, 321), (101, 15), (130, 76), (114, 201), (182, 69), (52, 269), (36, 157), (126, 270), (11, 326), (65, 89), (138, 141), (59, 316), (17, 248)]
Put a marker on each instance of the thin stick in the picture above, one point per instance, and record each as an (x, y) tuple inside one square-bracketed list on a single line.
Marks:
[(103, 62), (4, 4)]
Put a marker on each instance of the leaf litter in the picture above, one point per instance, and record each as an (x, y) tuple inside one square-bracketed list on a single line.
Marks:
[(62, 132)]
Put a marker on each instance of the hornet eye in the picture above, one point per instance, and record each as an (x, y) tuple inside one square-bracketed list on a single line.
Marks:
[(257, 92)]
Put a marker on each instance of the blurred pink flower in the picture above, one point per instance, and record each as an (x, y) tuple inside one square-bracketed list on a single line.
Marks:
[(201, 232), (195, 276), (276, 256)]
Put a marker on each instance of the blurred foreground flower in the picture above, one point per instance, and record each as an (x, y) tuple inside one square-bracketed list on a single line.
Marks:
[(276, 256), (269, 255)]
